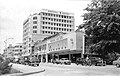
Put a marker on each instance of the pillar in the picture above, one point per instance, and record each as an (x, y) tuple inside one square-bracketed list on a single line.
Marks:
[(41, 58), (69, 56), (46, 58)]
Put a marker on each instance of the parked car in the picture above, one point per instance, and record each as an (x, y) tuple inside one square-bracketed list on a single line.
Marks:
[(97, 61), (65, 61), (117, 62), (57, 61), (82, 61)]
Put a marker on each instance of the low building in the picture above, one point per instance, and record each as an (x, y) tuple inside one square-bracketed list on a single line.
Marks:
[(60, 45), (8, 52), (13, 51)]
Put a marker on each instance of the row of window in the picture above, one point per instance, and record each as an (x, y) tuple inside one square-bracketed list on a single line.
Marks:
[(59, 20), (34, 17), (17, 50), (18, 46), (57, 24), (42, 47), (55, 49), (56, 15), (57, 29), (49, 32)]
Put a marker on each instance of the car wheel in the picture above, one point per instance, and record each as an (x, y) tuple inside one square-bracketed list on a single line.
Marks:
[(117, 65), (77, 64)]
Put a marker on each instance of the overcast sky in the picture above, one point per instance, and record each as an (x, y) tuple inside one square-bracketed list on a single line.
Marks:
[(14, 12)]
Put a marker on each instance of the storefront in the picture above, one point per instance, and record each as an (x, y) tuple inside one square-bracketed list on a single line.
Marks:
[(61, 46)]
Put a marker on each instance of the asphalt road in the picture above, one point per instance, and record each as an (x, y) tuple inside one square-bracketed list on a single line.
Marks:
[(74, 70)]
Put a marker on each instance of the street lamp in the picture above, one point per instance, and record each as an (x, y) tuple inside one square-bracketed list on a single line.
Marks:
[(6, 41)]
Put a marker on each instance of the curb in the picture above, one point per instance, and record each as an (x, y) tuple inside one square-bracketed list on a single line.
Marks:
[(22, 74)]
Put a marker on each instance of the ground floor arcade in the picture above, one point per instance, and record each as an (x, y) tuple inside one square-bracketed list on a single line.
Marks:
[(71, 55)]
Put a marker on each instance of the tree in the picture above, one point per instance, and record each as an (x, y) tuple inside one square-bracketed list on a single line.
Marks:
[(102, 26)]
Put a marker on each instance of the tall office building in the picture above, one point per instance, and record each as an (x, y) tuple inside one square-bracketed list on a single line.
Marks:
[(46, 23)]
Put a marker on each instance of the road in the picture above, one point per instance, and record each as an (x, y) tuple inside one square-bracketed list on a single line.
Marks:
[(74, 70)]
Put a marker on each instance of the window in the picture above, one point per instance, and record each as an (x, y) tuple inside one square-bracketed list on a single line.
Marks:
[(59, 28), (51, 19), (43, 18), (51, 23), (43, 27), (43, 22), (43, 32), (54, 28), (64, 25), (51, 32), (34, 27), (34, 31), (51, 28), (34, 22), (34, 18), (64, 29)]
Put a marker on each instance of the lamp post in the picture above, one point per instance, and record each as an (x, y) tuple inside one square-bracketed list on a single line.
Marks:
[(83, 52), (6, 41)]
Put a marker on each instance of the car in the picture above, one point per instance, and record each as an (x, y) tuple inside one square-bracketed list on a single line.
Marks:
[(97, 61), (65, 61), (57, 61), (117, 62), (82, 61)]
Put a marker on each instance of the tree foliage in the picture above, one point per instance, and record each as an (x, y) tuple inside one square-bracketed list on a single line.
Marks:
[(102, 25)]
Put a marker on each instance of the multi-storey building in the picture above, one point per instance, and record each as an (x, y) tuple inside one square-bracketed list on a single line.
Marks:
[(18, 50), (44, 24), (60, 46)]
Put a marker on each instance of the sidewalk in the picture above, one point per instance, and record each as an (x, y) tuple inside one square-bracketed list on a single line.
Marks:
[(26, 70)]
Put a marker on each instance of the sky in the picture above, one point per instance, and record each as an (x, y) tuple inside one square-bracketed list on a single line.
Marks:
[(14, 12)]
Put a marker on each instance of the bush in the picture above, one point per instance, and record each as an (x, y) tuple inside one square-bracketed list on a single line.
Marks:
[(4, 66)]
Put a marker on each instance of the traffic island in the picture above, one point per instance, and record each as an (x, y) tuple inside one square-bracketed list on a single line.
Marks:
[(25, 70)]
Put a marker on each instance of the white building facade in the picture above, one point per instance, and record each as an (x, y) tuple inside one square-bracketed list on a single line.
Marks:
[(46, 23), (61, 46), (13, 51)]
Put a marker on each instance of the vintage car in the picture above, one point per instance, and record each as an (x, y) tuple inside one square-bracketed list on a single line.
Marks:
[(57, 61), (97, 61), (117, 62), (82, 61), (65, 61), (91, 61)]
